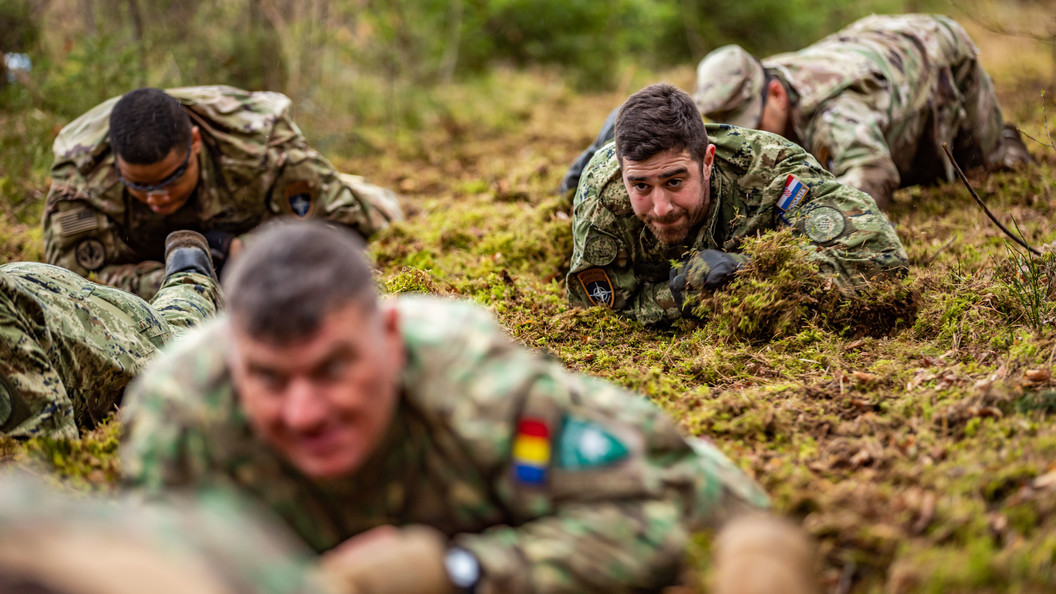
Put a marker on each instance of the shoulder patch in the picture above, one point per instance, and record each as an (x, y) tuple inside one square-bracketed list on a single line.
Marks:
[(300, 198), (597, 286), (76, 220), (793, 194), (91, 254), (531, 451), (824, 223), (586, 444), (599, 249)]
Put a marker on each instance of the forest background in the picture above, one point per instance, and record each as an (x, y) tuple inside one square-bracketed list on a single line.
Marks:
[(920, 453)]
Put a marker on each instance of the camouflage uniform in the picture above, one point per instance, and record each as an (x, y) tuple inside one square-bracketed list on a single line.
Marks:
[(68, 346), (89, 544), (558, 482), (873, 102), (255, 164), (618, 263)]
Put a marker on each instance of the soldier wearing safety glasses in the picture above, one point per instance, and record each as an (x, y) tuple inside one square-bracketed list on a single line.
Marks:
[(213, 159)]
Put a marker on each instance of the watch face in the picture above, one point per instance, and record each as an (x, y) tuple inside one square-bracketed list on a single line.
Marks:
[(462, 567)]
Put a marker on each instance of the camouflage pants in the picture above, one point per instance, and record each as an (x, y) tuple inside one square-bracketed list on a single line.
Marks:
[(68, 346)]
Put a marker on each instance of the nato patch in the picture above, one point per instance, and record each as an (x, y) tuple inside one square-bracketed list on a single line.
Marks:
[(531, 451), (597, 286), (299, 198), (90, 254), (792, 195), (824, 223), (76, 220), (586, 444), (599, 250)]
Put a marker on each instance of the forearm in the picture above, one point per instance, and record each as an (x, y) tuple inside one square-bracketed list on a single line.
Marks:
[(614, 546)]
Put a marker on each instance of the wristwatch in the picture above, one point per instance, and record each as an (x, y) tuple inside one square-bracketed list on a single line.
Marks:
[(463, 569)]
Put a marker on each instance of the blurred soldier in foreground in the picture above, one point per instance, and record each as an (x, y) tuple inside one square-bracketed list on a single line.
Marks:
[(674, 189), (68, 346), (873, 102), (413, 433), (214, 159), (55, 543)]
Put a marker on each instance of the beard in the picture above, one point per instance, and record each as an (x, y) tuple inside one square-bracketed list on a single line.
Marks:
[(671, 229)]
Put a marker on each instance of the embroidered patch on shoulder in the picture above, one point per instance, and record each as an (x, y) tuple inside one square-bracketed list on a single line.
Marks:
[(793, 194), (599, 249), (299, 197), (90, 254), (824, 223), (586, 444), (597, 286), (531, 451), (76, 220)]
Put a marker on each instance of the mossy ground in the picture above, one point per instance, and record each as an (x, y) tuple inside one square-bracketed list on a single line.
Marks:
[(919, 448)]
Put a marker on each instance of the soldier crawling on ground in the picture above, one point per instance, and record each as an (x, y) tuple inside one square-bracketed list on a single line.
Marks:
[(674, 189), (213, 159), (68, 346), (874, 103), (415, 433)]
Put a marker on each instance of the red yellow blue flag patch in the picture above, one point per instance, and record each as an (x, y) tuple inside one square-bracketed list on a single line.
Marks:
[(531, 451)]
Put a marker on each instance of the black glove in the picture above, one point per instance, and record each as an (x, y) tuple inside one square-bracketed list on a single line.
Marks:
[(708, 269), (219, 247)]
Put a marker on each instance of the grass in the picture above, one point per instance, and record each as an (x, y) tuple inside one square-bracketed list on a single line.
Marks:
[(918, 447)]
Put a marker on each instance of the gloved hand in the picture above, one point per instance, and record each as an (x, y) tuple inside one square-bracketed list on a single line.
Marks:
[(707, 269), (219, 247), (409, 559)]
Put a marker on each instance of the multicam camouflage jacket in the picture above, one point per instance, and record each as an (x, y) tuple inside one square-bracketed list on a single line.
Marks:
[(255, 164), (759, 182), (82, 543), (875, 102), (558, 482), (68, 346)]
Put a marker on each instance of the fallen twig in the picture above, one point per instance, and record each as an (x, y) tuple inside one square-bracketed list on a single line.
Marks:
[(979, 201)]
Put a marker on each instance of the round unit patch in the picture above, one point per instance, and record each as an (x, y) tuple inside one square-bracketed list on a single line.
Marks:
[(824, 223), (90, 254), (599, 250)]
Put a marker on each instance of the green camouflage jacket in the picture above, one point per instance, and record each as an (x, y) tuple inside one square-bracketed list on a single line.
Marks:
[(82, 543), (558, 482), (618, 263), (875, 102), (68, 346), (255, 164)]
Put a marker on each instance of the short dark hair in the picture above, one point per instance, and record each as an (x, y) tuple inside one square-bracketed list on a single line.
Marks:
[(293, 274), (659, 118), (146, 124)]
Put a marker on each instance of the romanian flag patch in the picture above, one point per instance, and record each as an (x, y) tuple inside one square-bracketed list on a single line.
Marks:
[(531, 451), (793, 194)]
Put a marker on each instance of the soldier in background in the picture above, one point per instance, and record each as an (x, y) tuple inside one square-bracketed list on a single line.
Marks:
[(873, 102), (68, 346), (213, 159), (414, 433), (674, 189), (57, 543)]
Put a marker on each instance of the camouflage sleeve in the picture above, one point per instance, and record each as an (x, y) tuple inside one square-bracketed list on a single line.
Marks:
[(854, 239), (308, 185), (602, 272), (602, 489), (163, 446), (80, 238), (847, 138)]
